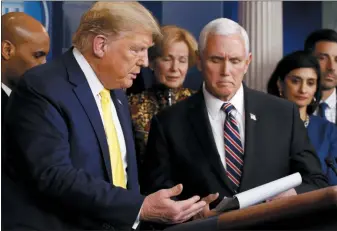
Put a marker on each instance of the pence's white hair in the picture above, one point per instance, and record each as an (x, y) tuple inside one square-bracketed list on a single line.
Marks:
[(222, 26)]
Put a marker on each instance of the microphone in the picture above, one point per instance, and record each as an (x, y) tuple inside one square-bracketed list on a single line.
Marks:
[(329, 162)]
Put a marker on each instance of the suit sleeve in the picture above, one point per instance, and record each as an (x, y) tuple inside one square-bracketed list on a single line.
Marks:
[(304, 159), (157, 169), (39, 133)]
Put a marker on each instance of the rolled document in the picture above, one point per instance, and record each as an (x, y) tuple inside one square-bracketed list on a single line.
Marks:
[(269, 190)]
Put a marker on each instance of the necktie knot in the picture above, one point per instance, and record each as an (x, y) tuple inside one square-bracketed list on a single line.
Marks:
[(322, 109), (228, 108), (105, 94), (323, 106)]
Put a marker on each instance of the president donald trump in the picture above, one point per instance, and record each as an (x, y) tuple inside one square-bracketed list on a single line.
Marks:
[(70, 144)]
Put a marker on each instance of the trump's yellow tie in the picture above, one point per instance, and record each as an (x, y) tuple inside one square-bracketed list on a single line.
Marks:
[(118, 176)]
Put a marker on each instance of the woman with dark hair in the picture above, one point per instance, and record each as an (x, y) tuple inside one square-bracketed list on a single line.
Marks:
[(296, 78)]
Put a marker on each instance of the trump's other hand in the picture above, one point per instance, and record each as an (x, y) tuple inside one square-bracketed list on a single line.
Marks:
[(159, 207)]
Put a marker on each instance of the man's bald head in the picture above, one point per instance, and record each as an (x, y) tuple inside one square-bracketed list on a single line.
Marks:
[(24, 44)]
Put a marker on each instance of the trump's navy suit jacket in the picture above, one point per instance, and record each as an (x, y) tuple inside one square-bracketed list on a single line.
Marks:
[(58, 154)]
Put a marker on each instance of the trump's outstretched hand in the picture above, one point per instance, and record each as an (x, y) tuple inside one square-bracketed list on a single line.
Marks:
[(159, 207)]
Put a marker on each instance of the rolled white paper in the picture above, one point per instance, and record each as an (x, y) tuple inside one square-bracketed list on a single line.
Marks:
[(269, 190)]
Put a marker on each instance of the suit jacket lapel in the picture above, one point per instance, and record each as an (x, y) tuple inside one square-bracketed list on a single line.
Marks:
[(200, 123), (84, 95), (251, 121), (124, 119)]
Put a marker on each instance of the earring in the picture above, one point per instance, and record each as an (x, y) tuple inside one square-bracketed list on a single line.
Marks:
[(314, 99), (280, 93)]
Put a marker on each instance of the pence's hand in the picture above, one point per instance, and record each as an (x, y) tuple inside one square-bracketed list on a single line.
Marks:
[(159, 207), (206, 212)]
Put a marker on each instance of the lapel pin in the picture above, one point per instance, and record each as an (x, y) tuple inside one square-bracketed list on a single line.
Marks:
[(119, 102), (252, 116)]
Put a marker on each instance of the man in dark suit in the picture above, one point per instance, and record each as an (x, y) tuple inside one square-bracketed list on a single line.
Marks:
[(323, 44), (228, 138), (69, 131), (24, 44)]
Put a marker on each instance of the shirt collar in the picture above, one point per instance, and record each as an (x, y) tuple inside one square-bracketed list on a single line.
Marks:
[(93, 81), (6, 89), (214, 104), (331, 100)]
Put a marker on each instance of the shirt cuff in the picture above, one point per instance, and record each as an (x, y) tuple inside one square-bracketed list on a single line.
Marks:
[(135, 225)]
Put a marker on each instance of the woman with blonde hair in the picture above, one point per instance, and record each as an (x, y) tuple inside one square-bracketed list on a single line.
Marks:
[(170, 58)]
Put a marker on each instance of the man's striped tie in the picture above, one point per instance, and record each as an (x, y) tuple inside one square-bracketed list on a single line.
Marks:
[(233, 146)]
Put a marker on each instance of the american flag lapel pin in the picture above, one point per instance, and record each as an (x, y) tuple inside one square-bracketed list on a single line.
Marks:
[(252, 116)]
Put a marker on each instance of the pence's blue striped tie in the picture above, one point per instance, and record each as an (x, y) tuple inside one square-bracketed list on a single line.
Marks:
[(233, 146)]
